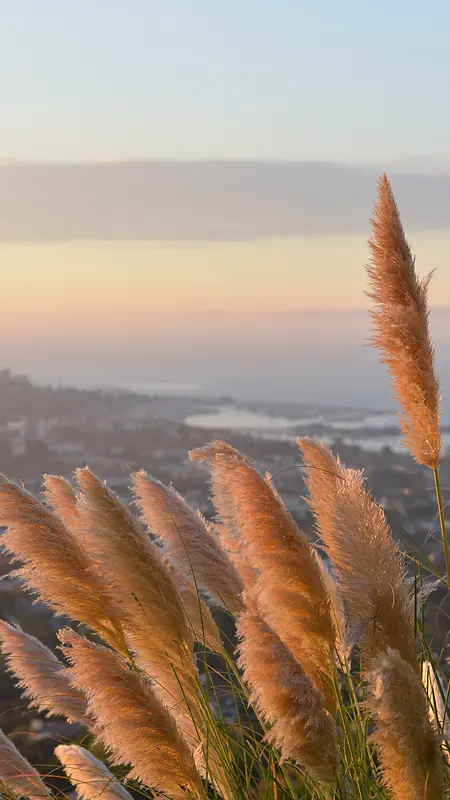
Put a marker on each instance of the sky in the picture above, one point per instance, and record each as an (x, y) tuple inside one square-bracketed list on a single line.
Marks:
[(352, 80), (347, 81)]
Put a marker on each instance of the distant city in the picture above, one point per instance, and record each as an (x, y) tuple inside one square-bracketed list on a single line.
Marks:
[(56, 429)]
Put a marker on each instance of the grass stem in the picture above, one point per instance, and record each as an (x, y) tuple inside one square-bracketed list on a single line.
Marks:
[(440, 506)]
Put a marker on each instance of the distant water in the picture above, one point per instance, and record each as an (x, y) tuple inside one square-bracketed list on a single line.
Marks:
[(235, 418), (343, 426)]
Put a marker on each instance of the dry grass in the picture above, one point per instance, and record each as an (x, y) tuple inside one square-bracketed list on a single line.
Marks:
[(17, 776), (371, 574), (90, 777), (45, 682), (131, 721), (406, 739), (289, 588), (187, 539)]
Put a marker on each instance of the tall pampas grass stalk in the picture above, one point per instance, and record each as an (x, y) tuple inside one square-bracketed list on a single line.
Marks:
[(188, 541), (401, 331), (89, 776), (290, 589), (17, 776), (157, 628), (55, 567), (285, 697), (401, 334), (131, 721), (371, 575), (44, 680), (406, 740)]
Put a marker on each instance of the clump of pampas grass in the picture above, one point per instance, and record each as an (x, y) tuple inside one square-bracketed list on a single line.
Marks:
[(289, 589)]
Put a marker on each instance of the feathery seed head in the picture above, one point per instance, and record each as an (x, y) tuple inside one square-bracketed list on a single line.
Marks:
[(60, 496), (407, 741), (371, 577), (189, 542), (286, 698), (157, 629), (289, 589), (55, 566), (90, 777), (131, 721), (401, 330), (43, 679), (17, 776)]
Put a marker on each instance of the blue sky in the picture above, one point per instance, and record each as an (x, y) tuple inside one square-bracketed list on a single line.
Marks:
[(317, 79)]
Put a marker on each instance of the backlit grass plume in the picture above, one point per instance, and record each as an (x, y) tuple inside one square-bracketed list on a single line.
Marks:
[(286, 698), (370, 571), (406, 739), (17, 776), (132, 722), (157, 629), (198, 615), (43, 679), (55, 566), (401, 329), (188, 540), (89, 776), (60, 495), (225, 524), (290, 589)]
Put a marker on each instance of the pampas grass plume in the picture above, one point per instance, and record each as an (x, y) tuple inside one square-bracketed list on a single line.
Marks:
[(371, 576), (55, 567), (290, 589), (60, 496), (157, 629), (132, 723), (189, 542), (401, 331), (90, 777), (16, 773), (285, 698), (43, 679), (407, 742)]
